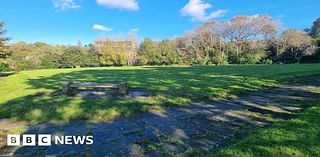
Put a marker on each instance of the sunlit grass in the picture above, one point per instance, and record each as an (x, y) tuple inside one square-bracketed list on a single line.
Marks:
[(26, 95), (296, 137)]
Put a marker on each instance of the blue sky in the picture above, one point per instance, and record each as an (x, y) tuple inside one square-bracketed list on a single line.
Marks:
[(67, 21)]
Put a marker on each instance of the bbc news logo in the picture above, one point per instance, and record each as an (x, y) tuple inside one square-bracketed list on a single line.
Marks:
[(47, 140)]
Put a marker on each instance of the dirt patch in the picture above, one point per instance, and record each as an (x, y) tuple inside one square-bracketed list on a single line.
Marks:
[(8, 126), (102, 94)]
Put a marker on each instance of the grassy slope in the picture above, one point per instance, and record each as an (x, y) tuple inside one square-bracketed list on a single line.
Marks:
[(23, 96), (296, 137)]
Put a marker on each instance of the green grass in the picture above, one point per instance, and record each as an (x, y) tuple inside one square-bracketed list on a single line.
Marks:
[(26, 96), (298, 137)]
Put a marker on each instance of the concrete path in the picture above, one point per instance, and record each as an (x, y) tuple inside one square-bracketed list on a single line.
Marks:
[(178, 130)]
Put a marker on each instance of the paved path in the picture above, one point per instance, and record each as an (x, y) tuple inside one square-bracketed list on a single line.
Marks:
[(201, 126)]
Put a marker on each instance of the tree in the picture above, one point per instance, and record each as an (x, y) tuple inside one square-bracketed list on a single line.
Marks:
[(33, 56), (294, 44), (3, 48), (131, 52), (91, 57), (22, 57), (115, 52), (159, 52), (203, 43), (44, 56), (248, 37), (72, 57), (241, 40), (167, 51), (149, 50), (315, 29), (184, 50), (3, 40)]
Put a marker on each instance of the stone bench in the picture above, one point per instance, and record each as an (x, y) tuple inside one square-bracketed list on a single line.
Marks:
[(72, 88)]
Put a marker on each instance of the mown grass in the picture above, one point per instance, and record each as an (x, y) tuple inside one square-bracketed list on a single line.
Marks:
[(26, 96), (298, 137)]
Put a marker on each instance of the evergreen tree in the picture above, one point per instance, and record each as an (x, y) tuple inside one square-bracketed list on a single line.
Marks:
[(315, 30)]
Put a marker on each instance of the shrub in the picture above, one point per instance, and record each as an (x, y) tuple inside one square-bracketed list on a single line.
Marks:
[(266, 61), (4, 67)]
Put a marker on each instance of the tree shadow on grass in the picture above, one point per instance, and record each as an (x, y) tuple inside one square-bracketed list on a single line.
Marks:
[(6, 74), (176, 131), (168, 86)]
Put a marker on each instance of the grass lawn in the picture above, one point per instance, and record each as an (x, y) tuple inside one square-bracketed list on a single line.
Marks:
[(26, 96), (296, 137)]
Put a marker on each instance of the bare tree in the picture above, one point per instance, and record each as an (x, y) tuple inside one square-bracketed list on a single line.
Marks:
[(296, 44), (244, 35), (244, 30)]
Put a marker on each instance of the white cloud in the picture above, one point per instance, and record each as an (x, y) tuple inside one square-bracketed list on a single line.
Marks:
[(120, 4), (197, 9), (280, 16), (65, 4), (101, 27), (133, 32), (215, 14)]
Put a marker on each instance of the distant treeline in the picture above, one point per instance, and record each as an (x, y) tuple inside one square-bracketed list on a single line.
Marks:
[(242, 40)]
